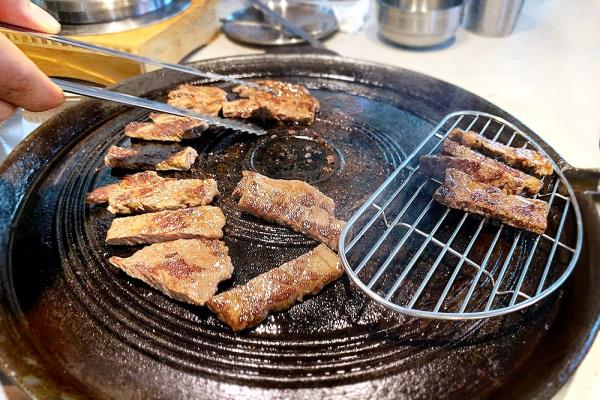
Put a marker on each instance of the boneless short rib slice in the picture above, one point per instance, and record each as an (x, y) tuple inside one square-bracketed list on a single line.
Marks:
[(289, 102), (190, 223), (484, 171), (186, 269), (516, 157), (291, 203), (276, 290), (460, 191), (147, 192), (151, 157)]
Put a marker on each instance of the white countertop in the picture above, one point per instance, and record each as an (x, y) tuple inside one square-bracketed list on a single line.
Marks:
[(546, 74)]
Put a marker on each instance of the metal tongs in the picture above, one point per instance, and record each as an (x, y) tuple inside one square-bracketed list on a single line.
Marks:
[(104, 94)]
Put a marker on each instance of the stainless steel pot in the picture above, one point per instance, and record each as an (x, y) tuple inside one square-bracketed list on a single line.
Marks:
[(418, 23), (75, 12)]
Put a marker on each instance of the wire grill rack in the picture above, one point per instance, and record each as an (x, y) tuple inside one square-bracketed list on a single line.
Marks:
[(420, 258)]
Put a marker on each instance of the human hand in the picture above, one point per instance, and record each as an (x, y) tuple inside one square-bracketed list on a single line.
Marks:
[(22, 84)]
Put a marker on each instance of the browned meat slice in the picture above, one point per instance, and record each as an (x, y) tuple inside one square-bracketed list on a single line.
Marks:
[(141, 179), (480, 170), (168, 194), (166, 128), (461, 192), (151, 156), (187, 269), (289, 103), (190, 223), (531, 183), (146, 191), (516, 157), (206, 100), (276, 290), (292, 203)]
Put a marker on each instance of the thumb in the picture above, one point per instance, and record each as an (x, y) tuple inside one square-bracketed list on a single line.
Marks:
[(27, 15)]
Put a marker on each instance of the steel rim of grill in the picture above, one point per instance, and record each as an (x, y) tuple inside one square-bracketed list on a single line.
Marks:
[(348, 241)]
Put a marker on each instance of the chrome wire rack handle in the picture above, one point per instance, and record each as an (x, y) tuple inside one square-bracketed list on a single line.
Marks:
[(420, 258)]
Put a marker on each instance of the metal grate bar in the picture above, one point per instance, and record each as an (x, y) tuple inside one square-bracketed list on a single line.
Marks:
[(531, 253), (412, 262), (478, 276), (398, 247), (463, 257), (442, 244), (509, 257), (389, 229), (437, 262), (553, 250)]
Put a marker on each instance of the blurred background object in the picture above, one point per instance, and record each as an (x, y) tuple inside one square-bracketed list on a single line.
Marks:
[(419, 23), (495, 18), (250, 24), (169, 31)]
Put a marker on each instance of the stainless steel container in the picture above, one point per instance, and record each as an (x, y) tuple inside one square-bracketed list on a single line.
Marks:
[(418, 23), (73, 12), (492, 17)]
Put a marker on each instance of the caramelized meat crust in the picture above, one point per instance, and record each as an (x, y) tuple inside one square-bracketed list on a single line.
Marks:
[(291, 203), (276, 290), (289, 102), (482, 171), (151, 156), (188, 270), (164, 226), (513, 156), (462, 192)]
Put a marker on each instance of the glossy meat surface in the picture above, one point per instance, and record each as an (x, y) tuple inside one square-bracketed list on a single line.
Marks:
[(151, 156), (187, 269), (247, 305), (190, 223), (462, 192), (291, 203)]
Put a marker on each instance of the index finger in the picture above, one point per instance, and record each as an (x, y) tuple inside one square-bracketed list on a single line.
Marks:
[(22, 83)]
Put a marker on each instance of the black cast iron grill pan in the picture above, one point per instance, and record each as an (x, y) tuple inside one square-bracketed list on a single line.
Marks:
[(72, 325)]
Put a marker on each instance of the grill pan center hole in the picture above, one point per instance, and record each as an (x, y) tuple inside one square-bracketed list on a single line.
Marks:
[(295, 157)]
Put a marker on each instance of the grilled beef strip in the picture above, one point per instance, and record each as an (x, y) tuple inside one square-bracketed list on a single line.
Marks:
[(462, 192), (480, 170), (148, 192), (164, 226), (289, 103), (166, 128), (168, 194), (291, 203), (151, 157), (170, 128), (516, 157), (186, 269), (141, 179), (531, 184), (276, 290), (206, 100)]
